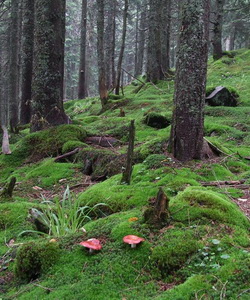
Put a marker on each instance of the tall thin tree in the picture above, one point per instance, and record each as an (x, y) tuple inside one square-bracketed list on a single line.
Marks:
[(82, 88), (120, 59), (100, 53), (27, 60)]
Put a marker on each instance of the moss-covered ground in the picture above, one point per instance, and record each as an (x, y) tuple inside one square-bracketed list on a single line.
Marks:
[(203, 251)]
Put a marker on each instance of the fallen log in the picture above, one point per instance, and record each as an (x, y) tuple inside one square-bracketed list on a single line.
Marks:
[(67, 154), (106, 142)]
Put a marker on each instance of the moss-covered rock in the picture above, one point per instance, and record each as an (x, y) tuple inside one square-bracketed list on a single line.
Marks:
[(156, 120), (71, 145), (35, 259)]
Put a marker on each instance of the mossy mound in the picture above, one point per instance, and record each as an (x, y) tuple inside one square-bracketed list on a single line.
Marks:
[(174, 250), (200, 204), (35, 259), (156, 120)]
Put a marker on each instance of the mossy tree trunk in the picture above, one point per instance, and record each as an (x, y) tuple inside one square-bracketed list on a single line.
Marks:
[(217, 30), (27, 60), (82, 88), (186, 139), (48, 65), (100, 53)]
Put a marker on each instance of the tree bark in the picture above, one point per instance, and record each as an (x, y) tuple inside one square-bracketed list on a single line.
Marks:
[(100, 53), (154, 62), (13, 73), (141, 41), (217, 30), (5, 142), (48, 68), (124, 32), (27, 60), (82, 89), (126, 176), (165, 36), (186, 139)]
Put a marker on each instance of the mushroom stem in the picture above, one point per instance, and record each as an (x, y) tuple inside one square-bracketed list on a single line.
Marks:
[(133, 245), (91, 251)]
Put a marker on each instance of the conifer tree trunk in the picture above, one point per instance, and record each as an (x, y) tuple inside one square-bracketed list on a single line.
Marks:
[(141, 41), (100, 53), (154, 59), (48, 65), (217, 30), (186, 139), (82, 89), (124, 32), (13, 71), (27, 60), (165, 36)]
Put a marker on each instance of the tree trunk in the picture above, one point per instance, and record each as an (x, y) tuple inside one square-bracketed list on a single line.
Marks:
[(27, 60), (165, 36), (217, 30), (154, 63), (124, 31), (100, 53), (48, 68), (141, 41), (13, 73), (186, 139), (110, 45), (82, 90)]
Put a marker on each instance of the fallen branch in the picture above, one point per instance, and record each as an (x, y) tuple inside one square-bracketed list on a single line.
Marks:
[(67, 154), (133, 76), (220, 183)]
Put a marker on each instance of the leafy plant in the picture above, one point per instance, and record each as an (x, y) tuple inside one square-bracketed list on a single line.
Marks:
[(66, 216)]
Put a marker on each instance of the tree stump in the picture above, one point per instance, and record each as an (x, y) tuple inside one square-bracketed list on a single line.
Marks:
[(127, 173), (8, 189), (157, 214)]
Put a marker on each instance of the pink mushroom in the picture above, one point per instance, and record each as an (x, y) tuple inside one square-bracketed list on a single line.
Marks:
[(92, 245), (133, 240)]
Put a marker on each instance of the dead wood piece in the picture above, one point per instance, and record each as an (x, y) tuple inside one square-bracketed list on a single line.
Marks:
[(8, 189), (157, 214), (5, 142), (127, 173), (106, 142), (67, 154), (220, 183)]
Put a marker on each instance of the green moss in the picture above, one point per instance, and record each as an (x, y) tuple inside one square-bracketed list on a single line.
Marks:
[(154, 161), (200, 204), (71, 145), (173, 252), (35, 259)]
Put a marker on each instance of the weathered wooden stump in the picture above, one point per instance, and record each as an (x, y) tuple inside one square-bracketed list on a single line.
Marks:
[(221, 96), (157, 214), (8, 189)]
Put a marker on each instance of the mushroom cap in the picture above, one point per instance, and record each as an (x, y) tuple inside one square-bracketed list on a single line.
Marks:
[(92, 244), (132, 239)]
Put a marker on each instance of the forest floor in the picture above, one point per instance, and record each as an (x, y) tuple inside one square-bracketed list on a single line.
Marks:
[(200, 252)]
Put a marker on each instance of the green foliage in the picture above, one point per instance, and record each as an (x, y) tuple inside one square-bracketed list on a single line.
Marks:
[(66, 216), (35, 259)]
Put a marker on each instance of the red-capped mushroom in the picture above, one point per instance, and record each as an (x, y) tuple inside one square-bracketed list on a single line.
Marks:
[(133, 240), (92, 245)]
